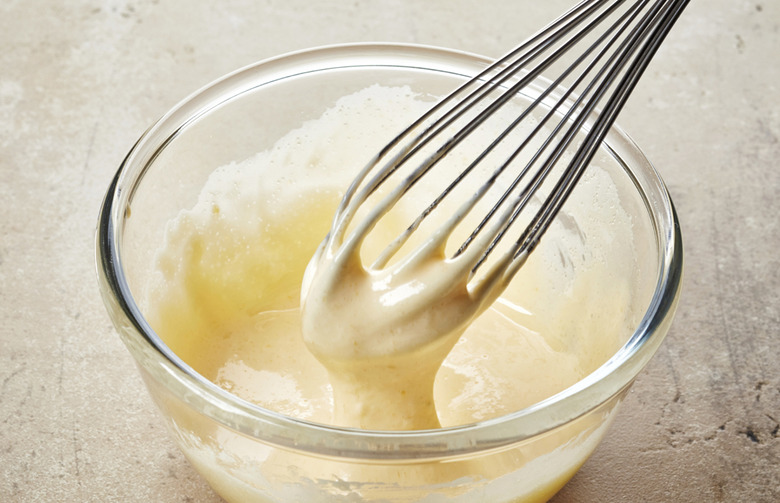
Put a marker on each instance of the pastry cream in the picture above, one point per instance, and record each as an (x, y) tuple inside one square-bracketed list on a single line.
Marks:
[(226, 294)]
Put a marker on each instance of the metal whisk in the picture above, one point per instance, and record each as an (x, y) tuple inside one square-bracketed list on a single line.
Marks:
[(594, 55)]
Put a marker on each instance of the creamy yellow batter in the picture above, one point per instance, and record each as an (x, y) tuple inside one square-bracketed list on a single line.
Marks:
[(226, 296)]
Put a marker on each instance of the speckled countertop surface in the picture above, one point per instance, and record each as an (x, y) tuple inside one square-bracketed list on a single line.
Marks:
[(81, 80)]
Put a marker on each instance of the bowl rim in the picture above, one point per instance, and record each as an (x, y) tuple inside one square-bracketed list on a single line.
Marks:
[(606, 382)]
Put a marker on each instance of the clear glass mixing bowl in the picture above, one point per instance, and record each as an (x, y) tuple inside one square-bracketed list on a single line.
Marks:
[(248, 453)]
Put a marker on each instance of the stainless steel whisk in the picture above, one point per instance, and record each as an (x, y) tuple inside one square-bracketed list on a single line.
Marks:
[(594, 55)]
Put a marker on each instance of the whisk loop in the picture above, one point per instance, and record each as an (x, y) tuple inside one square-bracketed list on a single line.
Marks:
[(594, 55)]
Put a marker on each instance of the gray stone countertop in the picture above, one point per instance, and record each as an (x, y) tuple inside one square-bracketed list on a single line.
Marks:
[(81, 80)]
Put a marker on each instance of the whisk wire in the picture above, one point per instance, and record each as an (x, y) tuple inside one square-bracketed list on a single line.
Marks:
[(613, 63), (505, 74), (586, 104), (527, 52), (524, 196), (658, 22), (512, 63)]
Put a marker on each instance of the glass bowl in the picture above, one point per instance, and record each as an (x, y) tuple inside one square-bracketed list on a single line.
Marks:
[(248, 453)]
